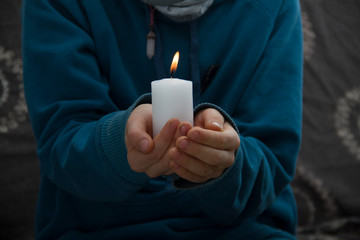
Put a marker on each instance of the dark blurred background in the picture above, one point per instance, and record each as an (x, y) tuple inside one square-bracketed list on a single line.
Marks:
[(19, 168), (327, 182)]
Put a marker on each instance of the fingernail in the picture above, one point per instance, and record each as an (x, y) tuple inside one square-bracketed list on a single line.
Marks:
[(216, 124), (183, 143), (144, 144), (184, 130)]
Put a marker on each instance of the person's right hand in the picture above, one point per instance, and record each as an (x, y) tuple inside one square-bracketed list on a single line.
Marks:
[(144, 153)]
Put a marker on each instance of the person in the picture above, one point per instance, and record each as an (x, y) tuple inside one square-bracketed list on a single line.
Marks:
[(88, 67)]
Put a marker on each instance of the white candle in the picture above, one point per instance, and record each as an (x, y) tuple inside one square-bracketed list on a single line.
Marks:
[(171, 98)]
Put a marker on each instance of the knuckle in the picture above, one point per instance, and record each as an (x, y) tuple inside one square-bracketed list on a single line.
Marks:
[(223, 159), (234, 137), (237, 141), (229, 161), (218, 157)]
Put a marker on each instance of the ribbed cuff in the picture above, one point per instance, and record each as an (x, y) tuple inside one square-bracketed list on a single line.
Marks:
[(112, 143)]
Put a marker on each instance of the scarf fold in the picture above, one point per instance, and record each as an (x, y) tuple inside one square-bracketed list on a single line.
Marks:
[(181, 10)]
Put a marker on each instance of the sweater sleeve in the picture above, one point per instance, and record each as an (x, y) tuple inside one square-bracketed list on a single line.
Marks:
[(268, 120), (79, 129)]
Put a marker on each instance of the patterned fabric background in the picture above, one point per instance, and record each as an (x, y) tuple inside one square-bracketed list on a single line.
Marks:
[(328, 174), (327, 180)]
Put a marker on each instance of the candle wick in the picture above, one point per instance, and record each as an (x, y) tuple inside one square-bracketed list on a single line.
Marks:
[(171, 72)]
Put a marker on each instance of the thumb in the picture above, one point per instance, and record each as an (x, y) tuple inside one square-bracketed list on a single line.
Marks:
[(211, 119), (137, 134), (138, 138)]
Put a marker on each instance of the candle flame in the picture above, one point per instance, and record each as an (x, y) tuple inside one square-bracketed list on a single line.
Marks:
[(174, 63)]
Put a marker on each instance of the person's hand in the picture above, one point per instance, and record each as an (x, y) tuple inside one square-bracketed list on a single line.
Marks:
[(144, 153), (207, 149)]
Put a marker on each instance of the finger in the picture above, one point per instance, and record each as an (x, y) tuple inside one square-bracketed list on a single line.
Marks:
[(139, 162), (169, 172), (226, 140), (143, 161), (186, 174), (163, 140), (210, 118), (183, 129), (162, 165), (156, 163), (137, 129), (159, 168), (194, 165), (208, 155)]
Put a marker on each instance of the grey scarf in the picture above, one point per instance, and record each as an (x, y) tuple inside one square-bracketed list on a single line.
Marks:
[(181, 10)]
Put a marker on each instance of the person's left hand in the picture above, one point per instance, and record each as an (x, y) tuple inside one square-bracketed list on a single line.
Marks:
[(207, 149)]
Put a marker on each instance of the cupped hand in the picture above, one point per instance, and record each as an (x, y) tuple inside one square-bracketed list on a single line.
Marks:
[(207, 149), (144, 153)]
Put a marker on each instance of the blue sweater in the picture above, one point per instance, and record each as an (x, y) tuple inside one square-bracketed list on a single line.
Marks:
[(85, 70)]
